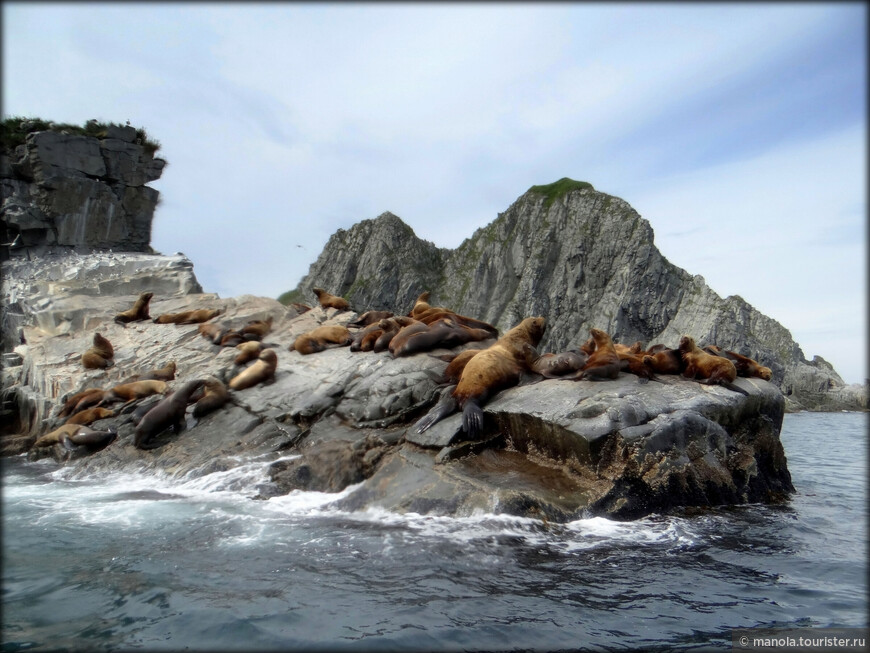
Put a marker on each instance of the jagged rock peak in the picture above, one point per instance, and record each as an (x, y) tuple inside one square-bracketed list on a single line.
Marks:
[(582, 259)]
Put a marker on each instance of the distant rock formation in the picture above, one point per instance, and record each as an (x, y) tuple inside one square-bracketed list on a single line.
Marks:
[(68, 189), (582, 259)]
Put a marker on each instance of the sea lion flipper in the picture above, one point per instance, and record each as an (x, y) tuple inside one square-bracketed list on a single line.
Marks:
[(446, 406), (472, 418), (735, 388)]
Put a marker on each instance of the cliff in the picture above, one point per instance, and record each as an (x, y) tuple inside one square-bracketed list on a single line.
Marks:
[(582, 259), (73, 187)]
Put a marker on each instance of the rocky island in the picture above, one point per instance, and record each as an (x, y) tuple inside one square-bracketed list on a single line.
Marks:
[(339, 419)]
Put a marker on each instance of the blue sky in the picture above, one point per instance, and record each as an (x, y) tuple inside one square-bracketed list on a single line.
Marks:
[(738, 130)]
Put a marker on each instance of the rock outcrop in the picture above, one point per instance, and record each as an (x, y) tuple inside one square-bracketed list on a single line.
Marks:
[(62, 188), (582, 259), (336, 419)]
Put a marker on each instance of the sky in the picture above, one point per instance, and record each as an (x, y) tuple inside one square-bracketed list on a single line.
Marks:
[(738, 130)]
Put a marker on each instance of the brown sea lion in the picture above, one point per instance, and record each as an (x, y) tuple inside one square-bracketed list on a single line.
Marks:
[(165, 373), (420, 304), (364, 339), (389, 327), (196, 316), (664, 360), (432, 315), (322, 337), (588, 347), (494, 369), (248, 351), (454, 368), (231, 338), (212, 331), (564, 365), (441, 333), (637, 365), (128, 392), (169, 412), (81, 400), (100, 355), (139, 312), (370, 317), (215, 396), (603, 362), (712, 370), (263, 369), (404, 333), (745, 366), (78, 433), (257, 329), (636, 348), (90, 415), (330, 301)]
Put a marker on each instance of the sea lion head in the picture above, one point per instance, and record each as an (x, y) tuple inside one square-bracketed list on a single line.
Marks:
[(687, 344), (535, 327), (269, 356), (600, 337)]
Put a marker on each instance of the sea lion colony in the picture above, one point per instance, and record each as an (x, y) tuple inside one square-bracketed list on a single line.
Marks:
[(471, 377)]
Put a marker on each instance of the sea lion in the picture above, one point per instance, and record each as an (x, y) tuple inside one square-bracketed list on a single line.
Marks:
[(231, 338), (378, 336), (603, 362), (637, 365), (636, 348), (664, 360), (169, 412), (364, 339), (128, 392), (564, 365), (248, 351), (330, 301), (165, 373), (212, 332), (81, 400), (215, 396), (90, 415), (262, 370), (454, 368), (494, 369), (370, 317), (139, 312), (257, 329), (421, 303), (745, 366), (404, 334), (320, 338), (434, 314), (100, 355), (78, 433), (445, 332), (196, 316), (711, 369)]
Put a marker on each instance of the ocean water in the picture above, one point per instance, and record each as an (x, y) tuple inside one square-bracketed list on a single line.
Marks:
[(131, 561)]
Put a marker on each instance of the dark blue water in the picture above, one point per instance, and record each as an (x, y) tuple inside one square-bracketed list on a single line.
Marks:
[(132, 561)]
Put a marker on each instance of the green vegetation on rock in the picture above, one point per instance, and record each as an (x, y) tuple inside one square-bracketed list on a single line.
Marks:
[(558, 188), (290, 297), (14, 130)]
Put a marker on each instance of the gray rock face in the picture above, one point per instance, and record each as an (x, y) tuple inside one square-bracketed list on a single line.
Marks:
[(586, 259), (341, 421), (77, 191), (57, 292)]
